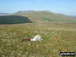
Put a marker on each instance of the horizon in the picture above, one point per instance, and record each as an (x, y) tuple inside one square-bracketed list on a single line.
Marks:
[(56, 6)]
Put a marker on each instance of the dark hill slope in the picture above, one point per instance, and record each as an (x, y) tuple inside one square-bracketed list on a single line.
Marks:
[(13, 19)]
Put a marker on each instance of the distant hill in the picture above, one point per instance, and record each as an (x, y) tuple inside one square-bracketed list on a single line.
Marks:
[(3, 13), (24, 12), (46, 16), (35, 17), (73, 16)]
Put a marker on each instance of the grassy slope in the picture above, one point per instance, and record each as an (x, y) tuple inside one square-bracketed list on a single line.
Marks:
[(56, 37), (43, 16), (37, 17)]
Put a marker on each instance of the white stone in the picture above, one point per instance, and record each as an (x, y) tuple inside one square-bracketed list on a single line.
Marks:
[(37, 38)]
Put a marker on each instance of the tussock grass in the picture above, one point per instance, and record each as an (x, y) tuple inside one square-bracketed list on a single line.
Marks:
[(56, 37)]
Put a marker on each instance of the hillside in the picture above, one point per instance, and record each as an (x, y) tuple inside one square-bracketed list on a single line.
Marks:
[(56, 37), (57, 31), (36, 17), (11, 19), (46, 16)]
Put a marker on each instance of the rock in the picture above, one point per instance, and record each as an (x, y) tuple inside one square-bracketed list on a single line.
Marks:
[(37, 38)]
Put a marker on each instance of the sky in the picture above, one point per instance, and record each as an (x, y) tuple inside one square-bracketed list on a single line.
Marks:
[(67, 7)]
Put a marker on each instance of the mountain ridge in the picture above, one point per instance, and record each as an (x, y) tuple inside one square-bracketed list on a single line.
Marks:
[(3, 13), (47, 16), (37, 17)]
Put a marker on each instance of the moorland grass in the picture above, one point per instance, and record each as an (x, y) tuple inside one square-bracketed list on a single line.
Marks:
[(56, 37)]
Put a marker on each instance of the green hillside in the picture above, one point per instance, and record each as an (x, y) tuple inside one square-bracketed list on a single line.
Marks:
[(57, 31), (36, 17), (56, 37), (47, 16)]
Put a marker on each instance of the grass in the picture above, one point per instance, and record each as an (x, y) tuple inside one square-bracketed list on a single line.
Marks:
[(48, 19), (56, 37)]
